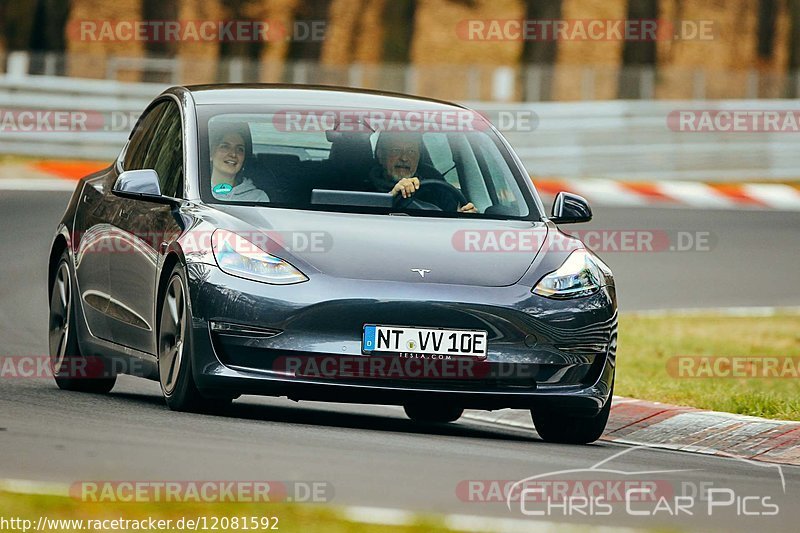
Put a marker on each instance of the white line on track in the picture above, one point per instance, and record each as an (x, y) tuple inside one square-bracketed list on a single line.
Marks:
[(754, 311), (37, 184), (24, 486)]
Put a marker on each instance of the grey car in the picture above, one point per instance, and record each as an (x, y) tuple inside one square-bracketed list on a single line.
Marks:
[(331, 244)]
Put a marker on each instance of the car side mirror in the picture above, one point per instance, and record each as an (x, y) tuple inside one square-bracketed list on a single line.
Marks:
[(570, 208), (140, 185)]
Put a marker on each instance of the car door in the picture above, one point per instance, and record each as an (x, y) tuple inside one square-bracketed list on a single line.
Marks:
[(141, 227), (92, 247)]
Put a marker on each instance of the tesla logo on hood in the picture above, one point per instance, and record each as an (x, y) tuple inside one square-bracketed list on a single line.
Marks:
[(420, 271)]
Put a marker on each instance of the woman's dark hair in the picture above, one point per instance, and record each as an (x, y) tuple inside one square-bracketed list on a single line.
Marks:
[(219, 130)]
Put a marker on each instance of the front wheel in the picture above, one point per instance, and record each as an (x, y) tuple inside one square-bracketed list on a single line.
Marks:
[(555, 426), (433, 413), (174, 351), (71, 370)]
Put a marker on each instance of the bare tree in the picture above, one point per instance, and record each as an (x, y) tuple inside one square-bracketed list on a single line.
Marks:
[(638, 54), (49, 26), (162, 11), (310, 11), (794, 49), (767, 13), (540, 53), (37, 26), (398, 32), (17, 23)]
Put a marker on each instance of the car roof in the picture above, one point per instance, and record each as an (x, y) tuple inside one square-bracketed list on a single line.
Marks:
[(312, 96)]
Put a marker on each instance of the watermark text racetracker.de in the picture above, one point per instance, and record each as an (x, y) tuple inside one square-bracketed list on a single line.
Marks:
[(288, 121), (585, 30), (39, 120), (395, 366), (474, 240), (734, 120), (353, 120), (736, 367), (599, 240), (85, 367), (402, 366), (114, 241), (161, 31), (203, 491)]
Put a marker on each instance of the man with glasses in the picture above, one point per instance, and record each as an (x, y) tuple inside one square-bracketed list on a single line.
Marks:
[(399, 170)]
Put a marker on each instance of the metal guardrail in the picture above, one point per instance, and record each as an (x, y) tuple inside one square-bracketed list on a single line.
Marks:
[(55, 93), (628, 140), (633, 140)]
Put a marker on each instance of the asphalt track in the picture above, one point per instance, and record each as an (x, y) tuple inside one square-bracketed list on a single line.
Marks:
[(374, 456)]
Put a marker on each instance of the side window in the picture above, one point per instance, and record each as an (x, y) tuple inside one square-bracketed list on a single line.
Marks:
[(471, 177), (438, 147), (504, 187), (165, 154), (142, 137)]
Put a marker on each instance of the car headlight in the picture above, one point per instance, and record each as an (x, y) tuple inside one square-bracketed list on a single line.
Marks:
[(580, 275), (237, 256)]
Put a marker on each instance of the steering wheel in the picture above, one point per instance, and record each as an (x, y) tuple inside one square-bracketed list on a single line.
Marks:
[(432, 191)]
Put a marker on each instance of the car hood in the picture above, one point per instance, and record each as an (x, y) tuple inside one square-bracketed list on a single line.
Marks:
[(481, 252)]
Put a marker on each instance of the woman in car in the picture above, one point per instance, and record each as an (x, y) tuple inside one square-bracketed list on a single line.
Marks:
[(230, 147)]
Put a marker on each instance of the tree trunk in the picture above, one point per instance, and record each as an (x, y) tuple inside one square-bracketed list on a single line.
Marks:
[(540, 54), (49, 26), (159, 10), (17, 23), (767, 13), (307, 12), (637, 55), (794, 49), (37, 26), (398, 19)]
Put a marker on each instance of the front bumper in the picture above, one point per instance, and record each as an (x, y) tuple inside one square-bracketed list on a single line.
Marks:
[(304, 342)]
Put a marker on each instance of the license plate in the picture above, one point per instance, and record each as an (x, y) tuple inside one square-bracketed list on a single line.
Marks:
[(402, 339)]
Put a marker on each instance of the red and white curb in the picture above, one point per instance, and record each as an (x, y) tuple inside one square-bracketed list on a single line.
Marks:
[(686, 194), (672, 427)]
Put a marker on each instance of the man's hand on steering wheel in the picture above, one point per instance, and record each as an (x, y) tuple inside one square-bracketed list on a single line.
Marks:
[(406, 187), (446, 197)]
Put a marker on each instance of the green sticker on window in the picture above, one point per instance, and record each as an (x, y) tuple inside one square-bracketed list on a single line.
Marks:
[(222, 188)]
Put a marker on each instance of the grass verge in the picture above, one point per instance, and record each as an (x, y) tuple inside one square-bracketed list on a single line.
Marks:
[(12, 159), (647, 345), (311, 518)]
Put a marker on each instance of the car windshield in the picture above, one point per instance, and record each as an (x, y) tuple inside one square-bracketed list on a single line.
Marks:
[(376, 161)]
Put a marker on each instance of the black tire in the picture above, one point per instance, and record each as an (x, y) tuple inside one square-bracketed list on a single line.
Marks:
[(175, 371), (558, 427), (71, 370), (439, 414)]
